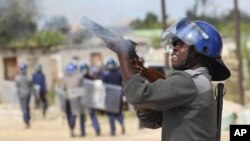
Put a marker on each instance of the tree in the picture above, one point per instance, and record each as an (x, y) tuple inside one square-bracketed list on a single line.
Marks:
[(246, 59), (149, 22), (58, 23), (198, 11), (223, 22), (17, 19), (79, 36), (137, 23)]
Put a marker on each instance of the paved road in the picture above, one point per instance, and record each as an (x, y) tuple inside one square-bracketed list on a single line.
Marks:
[(54, 128)]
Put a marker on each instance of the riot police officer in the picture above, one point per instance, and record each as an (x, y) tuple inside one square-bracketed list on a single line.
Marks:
[(39, 80), (24, 90), (72, 87), (112, 76)]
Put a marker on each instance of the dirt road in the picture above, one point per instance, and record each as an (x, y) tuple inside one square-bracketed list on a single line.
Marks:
[(54, 128)]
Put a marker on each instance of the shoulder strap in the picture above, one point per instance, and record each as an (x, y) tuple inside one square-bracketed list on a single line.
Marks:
[(201, 80)]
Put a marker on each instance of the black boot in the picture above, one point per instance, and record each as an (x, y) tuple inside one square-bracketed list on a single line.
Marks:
[(72, 134), (123, 130)]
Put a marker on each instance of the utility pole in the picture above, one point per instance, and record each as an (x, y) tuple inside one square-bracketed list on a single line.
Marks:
[(164, 26), (238, 51), (163, 13)]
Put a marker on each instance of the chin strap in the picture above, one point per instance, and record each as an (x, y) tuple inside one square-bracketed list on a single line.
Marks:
[(187, 64)]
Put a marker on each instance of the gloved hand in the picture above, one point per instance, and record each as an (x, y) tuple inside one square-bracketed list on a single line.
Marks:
[(137, 65)]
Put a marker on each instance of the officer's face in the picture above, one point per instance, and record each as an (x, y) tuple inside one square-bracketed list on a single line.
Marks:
[(179, 55)]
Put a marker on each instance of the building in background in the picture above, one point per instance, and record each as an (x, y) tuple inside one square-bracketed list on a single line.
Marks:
[(54, 60)]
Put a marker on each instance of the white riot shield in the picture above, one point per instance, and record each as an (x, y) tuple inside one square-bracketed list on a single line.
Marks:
[(36, 88), (75, 97), (113, 98), (61, 97), (100, 96), (9, 93), (94, 94), (75, 92)]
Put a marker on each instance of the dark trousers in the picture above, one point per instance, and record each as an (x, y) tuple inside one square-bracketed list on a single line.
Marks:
[(94, 121), (72, 119), (112, 117), (24, 102), (42, 100)]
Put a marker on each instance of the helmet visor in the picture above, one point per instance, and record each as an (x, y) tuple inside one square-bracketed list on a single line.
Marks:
[(186, 30)]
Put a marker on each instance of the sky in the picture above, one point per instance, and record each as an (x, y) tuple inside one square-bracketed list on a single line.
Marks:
[(121, 12)]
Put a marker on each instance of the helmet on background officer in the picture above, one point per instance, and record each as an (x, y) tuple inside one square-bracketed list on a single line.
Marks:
[(111, 64), (23, 68), (95, 72), (203, 39), (71, 68), (84, 68), (38, 67)]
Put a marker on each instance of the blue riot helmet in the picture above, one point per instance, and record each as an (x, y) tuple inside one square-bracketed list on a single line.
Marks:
[(84, 68), (205, 39), (95, 72), (111, 64), (70, 68), (38, 67), (23, 68), (187, 31)]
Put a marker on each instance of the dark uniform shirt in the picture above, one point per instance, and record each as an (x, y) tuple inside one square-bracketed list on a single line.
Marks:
[(184, 104)]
